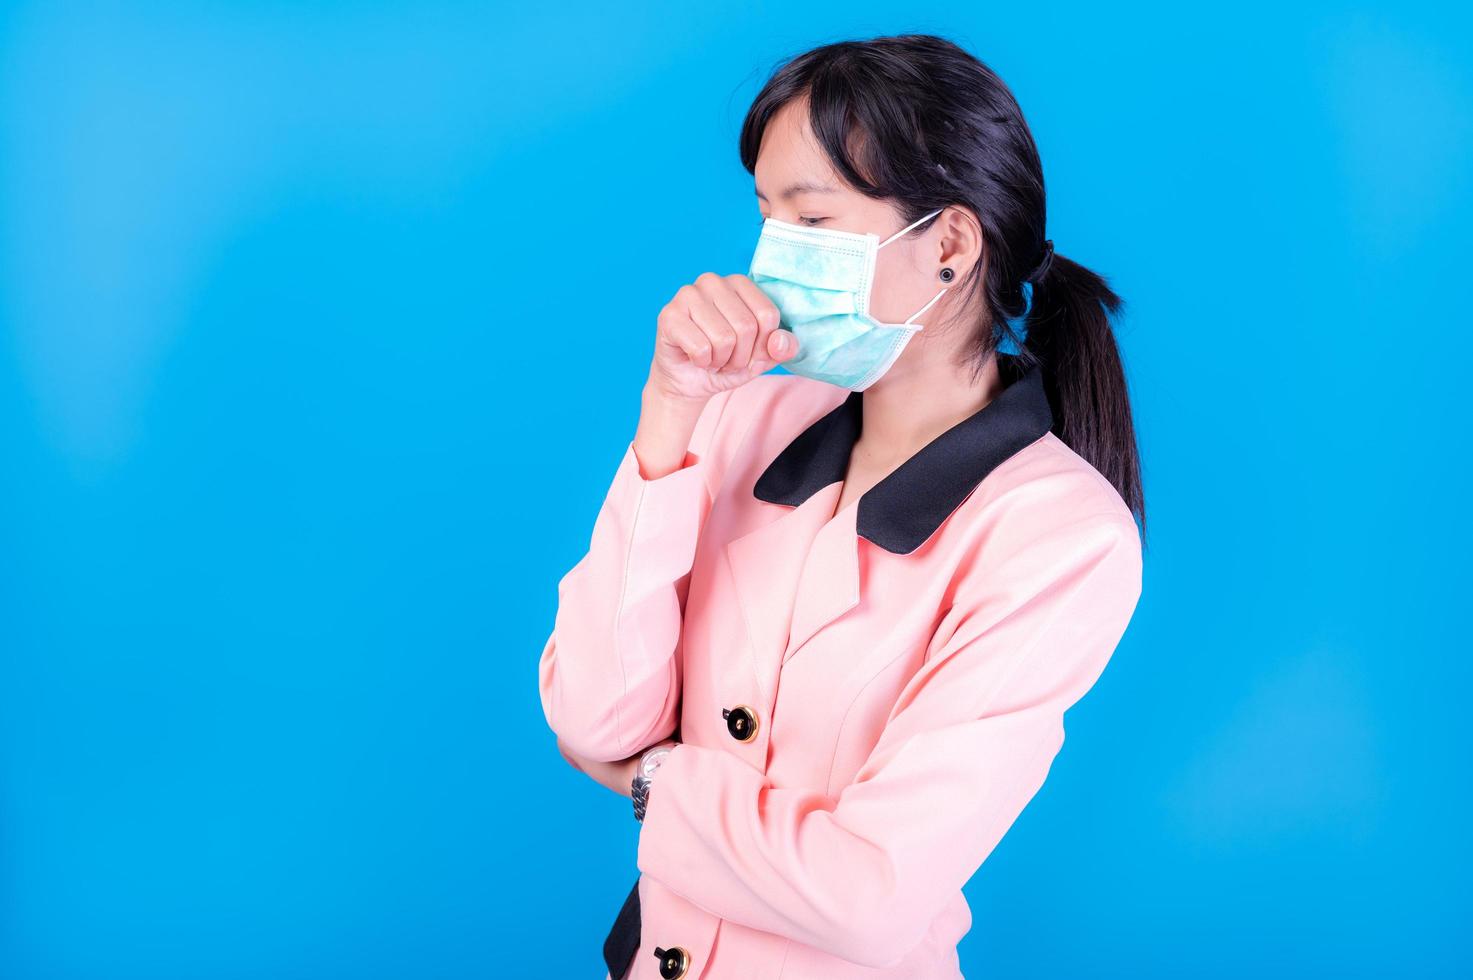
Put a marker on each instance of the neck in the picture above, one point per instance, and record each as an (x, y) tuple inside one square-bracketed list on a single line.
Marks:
[(904, 411)]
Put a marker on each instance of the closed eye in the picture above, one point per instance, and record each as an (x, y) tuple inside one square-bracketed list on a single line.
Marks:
[(809, 222)]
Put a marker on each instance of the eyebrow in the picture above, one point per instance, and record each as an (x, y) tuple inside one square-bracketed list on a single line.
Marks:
[(802, 187)]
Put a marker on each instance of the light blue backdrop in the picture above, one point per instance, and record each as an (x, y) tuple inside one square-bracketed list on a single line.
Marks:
[(324, 328)]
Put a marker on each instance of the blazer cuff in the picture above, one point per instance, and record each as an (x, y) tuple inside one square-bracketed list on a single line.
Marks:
[(664, 516)]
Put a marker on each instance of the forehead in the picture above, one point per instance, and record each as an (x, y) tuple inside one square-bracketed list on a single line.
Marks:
[(790, 162)]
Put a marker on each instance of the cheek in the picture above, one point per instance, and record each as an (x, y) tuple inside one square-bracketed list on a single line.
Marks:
[(900, 288)]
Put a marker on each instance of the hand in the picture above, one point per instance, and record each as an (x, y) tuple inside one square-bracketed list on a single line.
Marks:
[(716, 333)]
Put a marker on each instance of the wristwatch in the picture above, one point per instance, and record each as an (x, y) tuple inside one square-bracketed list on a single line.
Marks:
[(639, 790)]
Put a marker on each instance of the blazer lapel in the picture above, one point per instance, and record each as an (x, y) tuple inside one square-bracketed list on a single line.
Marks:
[(793, 574), (829, 585)]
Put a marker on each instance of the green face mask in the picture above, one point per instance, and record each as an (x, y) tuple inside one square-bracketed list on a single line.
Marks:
[(820, 281)]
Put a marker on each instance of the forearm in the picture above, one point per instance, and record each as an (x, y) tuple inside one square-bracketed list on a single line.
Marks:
[(609, 672), (617, 775), (666, 425), (608, 774)]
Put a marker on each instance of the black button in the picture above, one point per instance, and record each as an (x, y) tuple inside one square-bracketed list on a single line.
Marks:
[(673, 962), (741, 722)]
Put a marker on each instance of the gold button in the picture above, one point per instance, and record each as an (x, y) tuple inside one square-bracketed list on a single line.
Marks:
[(673, 962), (741, 722)]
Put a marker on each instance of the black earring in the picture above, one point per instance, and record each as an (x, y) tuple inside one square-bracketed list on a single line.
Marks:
[(946, 274)]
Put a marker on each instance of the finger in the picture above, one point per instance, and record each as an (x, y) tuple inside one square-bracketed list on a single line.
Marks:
[(691, 339), (781, 345), (764, 311), (741, 319), (713, 324)]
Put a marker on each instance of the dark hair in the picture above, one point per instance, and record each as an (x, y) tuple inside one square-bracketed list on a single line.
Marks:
[(919, 120)]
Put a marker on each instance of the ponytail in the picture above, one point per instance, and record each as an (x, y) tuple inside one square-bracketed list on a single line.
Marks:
[(1069, 332)]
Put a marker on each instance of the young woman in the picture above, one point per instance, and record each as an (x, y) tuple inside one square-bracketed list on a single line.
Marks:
[(829, 621)]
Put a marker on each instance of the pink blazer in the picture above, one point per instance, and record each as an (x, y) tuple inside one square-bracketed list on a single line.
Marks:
[(866, 699)]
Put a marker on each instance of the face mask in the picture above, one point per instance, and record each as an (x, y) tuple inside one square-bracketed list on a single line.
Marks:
[(820, 281)]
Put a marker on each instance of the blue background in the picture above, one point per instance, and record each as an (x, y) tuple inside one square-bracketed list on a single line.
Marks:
[(323, 331)]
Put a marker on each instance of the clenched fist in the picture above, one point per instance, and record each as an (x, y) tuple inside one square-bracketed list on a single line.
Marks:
[(719, 332)]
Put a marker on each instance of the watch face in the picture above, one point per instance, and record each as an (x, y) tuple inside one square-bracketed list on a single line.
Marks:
[(652, 760)]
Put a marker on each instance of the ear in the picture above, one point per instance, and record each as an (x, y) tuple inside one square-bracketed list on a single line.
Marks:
[(960, 244)]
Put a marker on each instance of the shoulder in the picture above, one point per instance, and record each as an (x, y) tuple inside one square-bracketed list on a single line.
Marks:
[(1048, 476), (1046, 506)]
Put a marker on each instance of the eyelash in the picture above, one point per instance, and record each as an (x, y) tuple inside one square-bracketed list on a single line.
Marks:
[(801, 220)]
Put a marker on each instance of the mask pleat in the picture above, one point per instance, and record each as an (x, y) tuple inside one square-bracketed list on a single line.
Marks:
[(801, 303)]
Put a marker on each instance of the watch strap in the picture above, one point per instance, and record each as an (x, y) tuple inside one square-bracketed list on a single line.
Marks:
[(640, 795)]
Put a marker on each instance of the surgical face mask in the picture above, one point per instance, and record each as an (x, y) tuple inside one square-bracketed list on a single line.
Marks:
[(820, 281)]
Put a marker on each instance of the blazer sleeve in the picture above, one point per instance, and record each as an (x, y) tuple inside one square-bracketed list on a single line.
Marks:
[(968, 743), (609, 673)]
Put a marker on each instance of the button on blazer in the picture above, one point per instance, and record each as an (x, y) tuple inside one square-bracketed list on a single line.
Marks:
[(866, 697)]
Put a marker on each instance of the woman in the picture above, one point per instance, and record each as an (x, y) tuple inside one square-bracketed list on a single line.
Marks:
[(829, 621)]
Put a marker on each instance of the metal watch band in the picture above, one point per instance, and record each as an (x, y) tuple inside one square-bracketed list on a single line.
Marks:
[(640, 794)]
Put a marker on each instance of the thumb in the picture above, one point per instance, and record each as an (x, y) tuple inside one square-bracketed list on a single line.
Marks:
[(781, 344)]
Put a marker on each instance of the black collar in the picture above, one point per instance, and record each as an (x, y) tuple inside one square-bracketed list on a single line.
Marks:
[(905, 508)]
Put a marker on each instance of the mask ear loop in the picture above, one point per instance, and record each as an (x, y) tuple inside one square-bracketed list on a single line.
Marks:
[(923, 309), (887, 241), (909, 227)]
